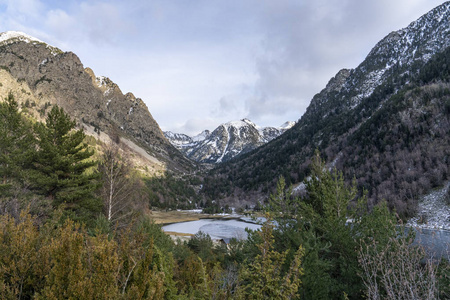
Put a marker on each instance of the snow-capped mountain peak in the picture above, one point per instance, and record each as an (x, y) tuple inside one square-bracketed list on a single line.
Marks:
[(287, 125), (9, 37), (250, 123), (227, 141), (201, 136), (17, 36)]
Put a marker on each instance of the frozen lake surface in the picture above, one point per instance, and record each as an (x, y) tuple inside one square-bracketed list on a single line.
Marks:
[(216, 228), (435, 241)]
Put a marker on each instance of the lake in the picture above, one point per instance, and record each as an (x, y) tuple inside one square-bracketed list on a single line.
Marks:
[(435, 241), (216, 228)]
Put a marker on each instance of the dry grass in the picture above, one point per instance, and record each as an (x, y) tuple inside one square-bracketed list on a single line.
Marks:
[(168, 217), (180, 234)]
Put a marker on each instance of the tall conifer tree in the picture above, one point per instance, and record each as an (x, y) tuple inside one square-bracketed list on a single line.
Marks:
[(16, 144), (61, 168)]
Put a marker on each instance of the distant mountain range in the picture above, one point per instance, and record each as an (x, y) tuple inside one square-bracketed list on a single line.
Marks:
[(385, 123), (227, 141)]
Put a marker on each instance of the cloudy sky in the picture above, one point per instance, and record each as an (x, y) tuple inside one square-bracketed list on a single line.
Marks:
[(200, 63)]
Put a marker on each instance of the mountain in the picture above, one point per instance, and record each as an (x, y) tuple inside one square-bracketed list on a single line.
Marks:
[(227, 141), (40, 75), (386, 123)]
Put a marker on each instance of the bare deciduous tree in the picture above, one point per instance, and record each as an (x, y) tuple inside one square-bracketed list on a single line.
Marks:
[(119, 187), (399, 271)]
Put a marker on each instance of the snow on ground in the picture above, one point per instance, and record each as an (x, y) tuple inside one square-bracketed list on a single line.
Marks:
[(433, 211), (5, 36), (201, 136), (101, 81), (287, 125), (14, 36), (216, 228)]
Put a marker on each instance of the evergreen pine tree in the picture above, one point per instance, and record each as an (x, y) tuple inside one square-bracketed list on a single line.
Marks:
[(62, 167), (16, 143), (264, 278)]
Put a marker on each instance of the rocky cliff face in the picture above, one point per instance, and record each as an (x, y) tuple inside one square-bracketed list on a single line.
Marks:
[(227, 141), (55, 77)]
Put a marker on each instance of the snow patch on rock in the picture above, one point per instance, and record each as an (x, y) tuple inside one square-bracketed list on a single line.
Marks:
[(433, 211), (10, 37)]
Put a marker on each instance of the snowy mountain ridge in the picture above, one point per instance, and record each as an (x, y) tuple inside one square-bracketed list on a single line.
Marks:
[(403, 51), (417, 42), (10, 37), (227, 141)]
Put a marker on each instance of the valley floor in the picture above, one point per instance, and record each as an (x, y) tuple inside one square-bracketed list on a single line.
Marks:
[(178, 216)]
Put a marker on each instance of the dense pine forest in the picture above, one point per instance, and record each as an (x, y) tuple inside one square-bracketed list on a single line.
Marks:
[(73, 226)]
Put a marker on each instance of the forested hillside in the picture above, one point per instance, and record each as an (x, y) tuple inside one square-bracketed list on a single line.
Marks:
[(394, 141)]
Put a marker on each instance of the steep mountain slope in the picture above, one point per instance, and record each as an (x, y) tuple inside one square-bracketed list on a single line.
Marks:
[(40, 75), (362, 119), (227, 141)]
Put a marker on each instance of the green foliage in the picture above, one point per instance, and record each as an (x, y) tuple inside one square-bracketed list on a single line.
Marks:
[(22, 266), (172, 192), (438, 68), (282, 203), (443, 276), (17, 147), (264, 278), (152, 233), (330, 243), (16, 143), (60, 168), (80, 269), (5, 68), (145, 255), (211, 207), (328, 195), (319, 223), (64, 262), (322, 246), (202, 245)]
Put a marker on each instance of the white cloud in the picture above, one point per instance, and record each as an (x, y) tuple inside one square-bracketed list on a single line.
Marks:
[(103, 22), (195, 126), (60, 22), (20, 15)]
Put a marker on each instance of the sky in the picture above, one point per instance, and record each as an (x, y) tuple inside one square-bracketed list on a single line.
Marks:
[(199, 63)]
